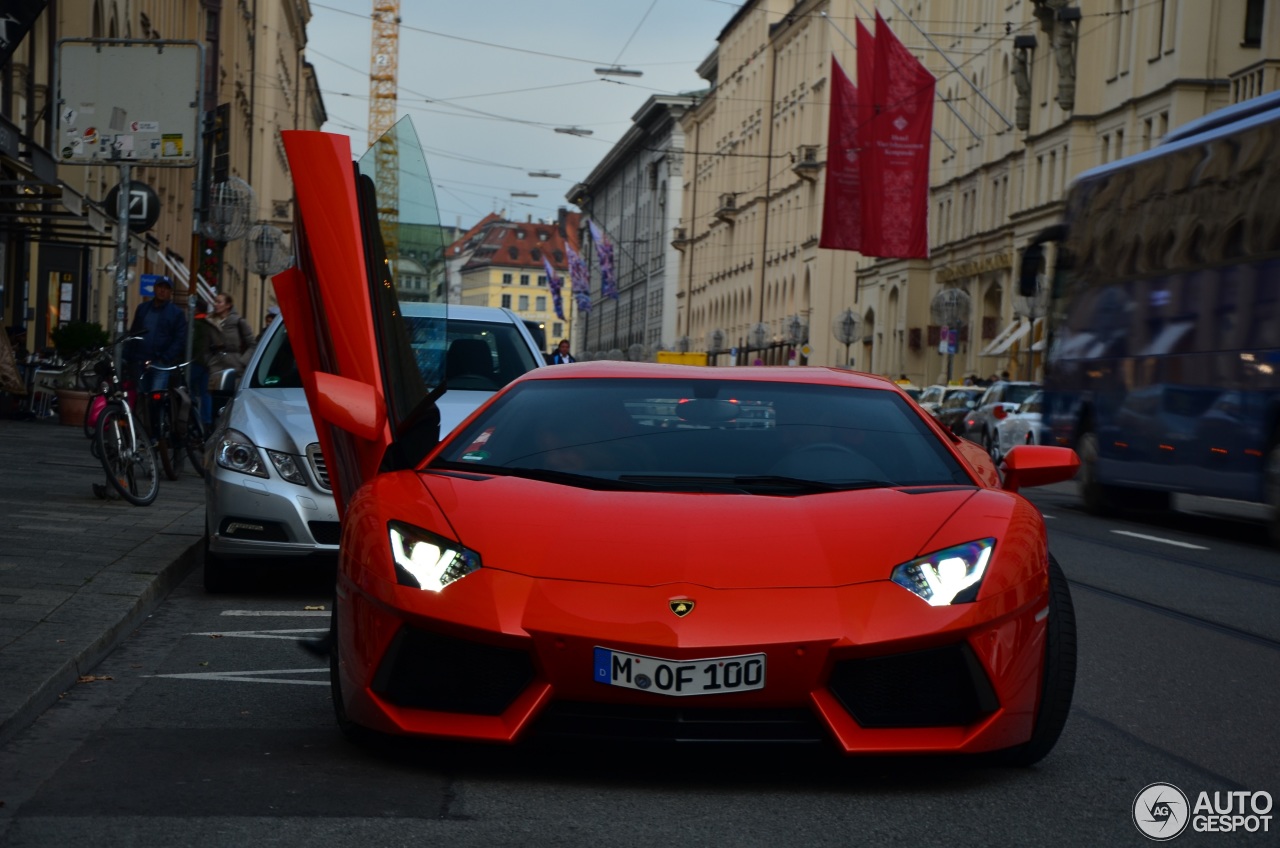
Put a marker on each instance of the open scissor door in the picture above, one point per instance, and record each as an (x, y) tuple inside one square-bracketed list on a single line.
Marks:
[(357, 225)]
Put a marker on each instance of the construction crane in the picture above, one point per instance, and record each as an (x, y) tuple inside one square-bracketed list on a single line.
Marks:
[(383, 71)]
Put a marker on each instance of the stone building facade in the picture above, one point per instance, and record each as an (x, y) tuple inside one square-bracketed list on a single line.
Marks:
[(57, 238), (1030, 94)]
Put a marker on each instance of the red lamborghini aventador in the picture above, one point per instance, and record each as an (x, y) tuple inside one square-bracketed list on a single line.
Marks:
[(659, 551)]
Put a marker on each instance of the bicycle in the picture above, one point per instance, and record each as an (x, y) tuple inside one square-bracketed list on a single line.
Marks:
[(174, 422), (126, 453)]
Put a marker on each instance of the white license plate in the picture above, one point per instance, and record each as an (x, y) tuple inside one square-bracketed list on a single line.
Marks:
[(715, 676)]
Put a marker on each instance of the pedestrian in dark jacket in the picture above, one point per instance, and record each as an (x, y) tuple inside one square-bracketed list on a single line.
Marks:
[(163, 327), (562, 356)]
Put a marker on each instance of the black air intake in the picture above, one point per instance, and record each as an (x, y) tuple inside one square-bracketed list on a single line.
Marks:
[(432, 672), (939, 687)]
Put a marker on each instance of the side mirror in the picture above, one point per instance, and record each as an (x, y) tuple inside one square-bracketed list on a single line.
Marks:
[(225, 382), (1038, 465)]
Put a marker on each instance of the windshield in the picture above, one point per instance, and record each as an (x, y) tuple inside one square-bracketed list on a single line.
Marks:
[(478, 355), (1018, 392), (684, 433)]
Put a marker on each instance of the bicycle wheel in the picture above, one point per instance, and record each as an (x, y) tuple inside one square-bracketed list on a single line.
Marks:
[(193, 441), (132, 470), (166, 445)]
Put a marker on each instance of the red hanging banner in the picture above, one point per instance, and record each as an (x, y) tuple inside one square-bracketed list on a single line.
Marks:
[(896, 215), (842, 197)]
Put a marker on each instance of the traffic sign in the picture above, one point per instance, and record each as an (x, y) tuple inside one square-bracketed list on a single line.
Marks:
[(144, 206)]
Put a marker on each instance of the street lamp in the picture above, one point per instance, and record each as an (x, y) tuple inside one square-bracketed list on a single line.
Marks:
[(231, 205), (574, 131), (547, 174), (756, 339), (715, 343), (268, 256), (618, 71), (950, 310), (846, 327)]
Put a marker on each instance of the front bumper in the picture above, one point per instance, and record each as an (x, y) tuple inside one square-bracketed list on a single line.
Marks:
[(249, 516), (867, 666)]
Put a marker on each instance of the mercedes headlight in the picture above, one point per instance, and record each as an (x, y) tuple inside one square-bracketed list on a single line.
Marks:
[(949, 576), (236, 452), (287, 467), (427, 561)]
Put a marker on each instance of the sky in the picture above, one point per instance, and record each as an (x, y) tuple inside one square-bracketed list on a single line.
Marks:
[(486, 84)]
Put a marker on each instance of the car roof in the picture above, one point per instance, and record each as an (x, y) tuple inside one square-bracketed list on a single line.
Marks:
[(417, 309), (613, 369)]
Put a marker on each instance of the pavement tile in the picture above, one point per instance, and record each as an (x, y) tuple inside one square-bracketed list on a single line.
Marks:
[(77, 573)]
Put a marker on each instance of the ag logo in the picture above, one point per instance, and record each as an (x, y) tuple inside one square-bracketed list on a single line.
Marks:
[(681, 606), (1161, 811)]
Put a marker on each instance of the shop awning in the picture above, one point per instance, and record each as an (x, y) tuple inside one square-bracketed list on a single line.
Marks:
[(1018, 328)]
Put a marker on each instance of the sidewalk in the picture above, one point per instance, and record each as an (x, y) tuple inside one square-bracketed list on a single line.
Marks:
[(77, 574)]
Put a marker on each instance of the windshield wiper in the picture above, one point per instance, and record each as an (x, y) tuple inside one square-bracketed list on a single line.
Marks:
[(798, 484), (751, 484), (566, 478)]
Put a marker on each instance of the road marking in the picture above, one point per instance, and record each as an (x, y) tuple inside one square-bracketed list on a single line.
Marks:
[(252, 676), (291, 635), (277, 612), (1158, 539)]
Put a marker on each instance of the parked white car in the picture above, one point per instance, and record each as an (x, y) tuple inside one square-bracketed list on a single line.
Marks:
[(1020, 427), (268, 497)]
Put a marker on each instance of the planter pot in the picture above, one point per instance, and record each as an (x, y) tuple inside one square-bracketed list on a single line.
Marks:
[(72, 405)]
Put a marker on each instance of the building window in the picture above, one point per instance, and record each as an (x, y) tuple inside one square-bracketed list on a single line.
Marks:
[(506, 279), (1253, 10), (542, 303), (506, 301), (542, 279), (557, 330), (524, 303), (524, 279)]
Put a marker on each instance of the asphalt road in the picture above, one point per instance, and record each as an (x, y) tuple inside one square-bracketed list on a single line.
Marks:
[(209, 726)]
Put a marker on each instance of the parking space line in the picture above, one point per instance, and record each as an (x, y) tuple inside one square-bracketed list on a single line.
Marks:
[(252, 676), (291, 635), (1160, 540), (281, 613)]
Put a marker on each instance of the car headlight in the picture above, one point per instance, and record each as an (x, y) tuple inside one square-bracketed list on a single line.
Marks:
[(287, 466), (949, 576), (426, 561), (237, 453)]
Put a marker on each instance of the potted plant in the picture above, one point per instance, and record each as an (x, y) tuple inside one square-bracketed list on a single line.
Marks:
[(72, 341)]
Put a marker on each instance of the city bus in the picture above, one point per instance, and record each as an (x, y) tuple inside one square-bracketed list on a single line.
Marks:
[(1162, 365)]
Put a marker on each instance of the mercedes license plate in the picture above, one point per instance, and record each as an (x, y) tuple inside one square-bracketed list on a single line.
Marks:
[(715, 676)]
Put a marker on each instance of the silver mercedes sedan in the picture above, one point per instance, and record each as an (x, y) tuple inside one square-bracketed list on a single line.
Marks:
[(268, 498)]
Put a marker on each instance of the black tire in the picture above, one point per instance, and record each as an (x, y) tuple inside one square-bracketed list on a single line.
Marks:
[(1272, 483), (218, 576), (1094, 495), (132, 471), (357, 734), (1059, 680), (166, 446), (991, 447), (193, 442)]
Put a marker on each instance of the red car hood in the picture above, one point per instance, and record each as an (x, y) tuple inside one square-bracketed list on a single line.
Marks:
[(715, 540)]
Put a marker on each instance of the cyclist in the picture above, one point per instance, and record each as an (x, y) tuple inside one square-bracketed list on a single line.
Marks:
[(163, 327)]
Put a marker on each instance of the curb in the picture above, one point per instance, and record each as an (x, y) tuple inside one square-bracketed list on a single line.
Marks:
[(165, 578)]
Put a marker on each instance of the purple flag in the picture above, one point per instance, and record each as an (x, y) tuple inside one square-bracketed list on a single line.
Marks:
[(555, 283), (578, 278), (608, 278)]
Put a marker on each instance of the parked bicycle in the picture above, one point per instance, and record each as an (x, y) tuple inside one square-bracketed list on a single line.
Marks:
[(174, 422), (119, 441)]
